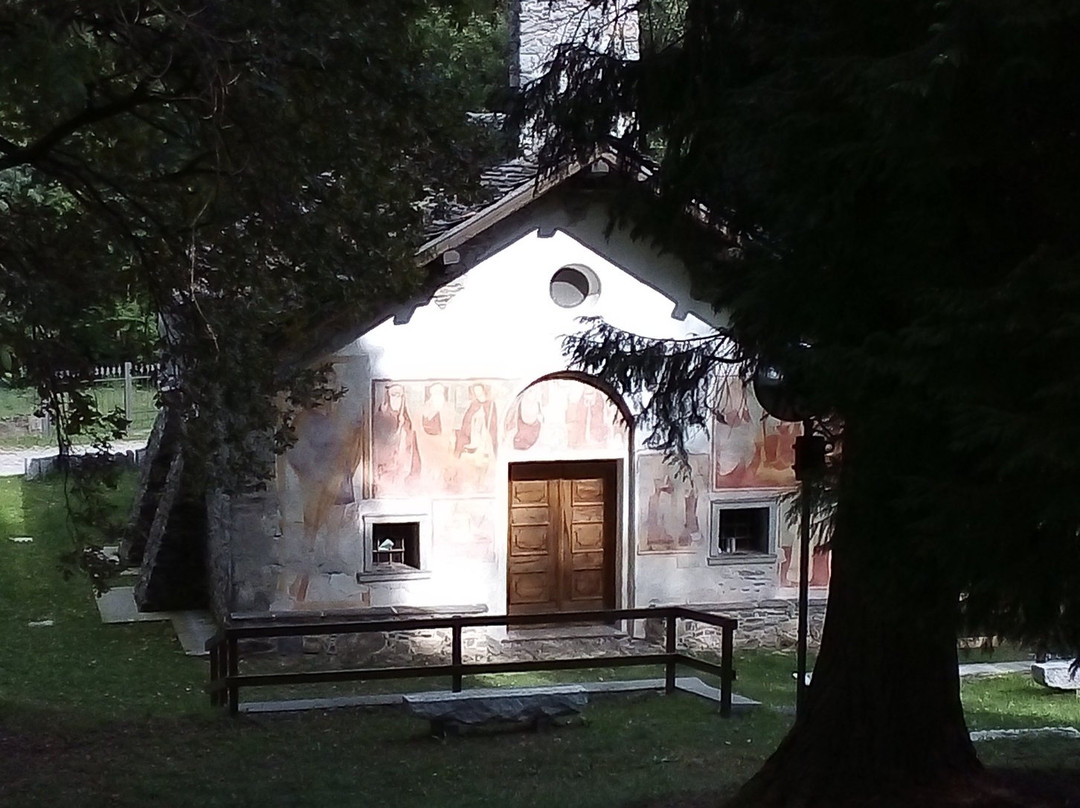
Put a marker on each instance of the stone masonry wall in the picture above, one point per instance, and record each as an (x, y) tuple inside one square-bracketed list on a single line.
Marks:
[(539, 26), (762, 624)]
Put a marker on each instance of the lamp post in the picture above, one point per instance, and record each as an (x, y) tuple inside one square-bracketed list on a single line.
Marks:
[(778, 396)]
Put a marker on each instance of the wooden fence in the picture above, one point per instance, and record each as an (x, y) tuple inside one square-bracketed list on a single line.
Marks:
[(226, 680)]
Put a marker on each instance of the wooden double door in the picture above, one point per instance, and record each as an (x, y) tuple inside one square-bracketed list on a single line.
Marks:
[(561, 554)]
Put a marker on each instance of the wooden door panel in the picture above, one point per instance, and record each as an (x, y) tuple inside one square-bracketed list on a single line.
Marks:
[(532, 564), (586, 491), (586, 538), (530, 540), (533, 587), (561, 537), (588, 561), (530, 515), (587, 585), (529, 492), (586, 513)]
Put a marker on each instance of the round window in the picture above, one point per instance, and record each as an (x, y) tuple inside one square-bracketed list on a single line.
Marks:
[(573, 285)]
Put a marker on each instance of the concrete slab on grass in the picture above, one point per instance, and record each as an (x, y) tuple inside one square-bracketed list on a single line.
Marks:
[(689, 684), (993, 668), (118, 606), (1057, 674), (193, 629)]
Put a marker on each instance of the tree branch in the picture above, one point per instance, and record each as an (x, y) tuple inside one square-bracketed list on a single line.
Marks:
[(35, 152)]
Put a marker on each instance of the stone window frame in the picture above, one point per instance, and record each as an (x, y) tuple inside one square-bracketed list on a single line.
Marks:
[(770, 504), (377, 572)]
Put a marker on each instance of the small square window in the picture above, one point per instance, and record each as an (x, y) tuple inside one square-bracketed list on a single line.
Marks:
[(395, 545), (743, 532)]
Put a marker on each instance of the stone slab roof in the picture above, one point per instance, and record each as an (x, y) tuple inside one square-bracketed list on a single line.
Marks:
[(499, 181)]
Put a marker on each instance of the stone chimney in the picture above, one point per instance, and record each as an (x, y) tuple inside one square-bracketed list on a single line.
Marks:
[(537, 27)]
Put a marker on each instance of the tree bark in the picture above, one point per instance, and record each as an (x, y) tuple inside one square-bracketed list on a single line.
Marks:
[(883, 718)]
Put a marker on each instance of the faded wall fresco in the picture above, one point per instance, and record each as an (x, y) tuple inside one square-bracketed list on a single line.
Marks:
[(564, 414), (465, 529), (318, 475), (673, 507), (750, 448), (434, 437), (820, 562)]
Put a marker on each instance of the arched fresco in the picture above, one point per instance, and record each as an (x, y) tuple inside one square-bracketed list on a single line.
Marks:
[(564, 417)]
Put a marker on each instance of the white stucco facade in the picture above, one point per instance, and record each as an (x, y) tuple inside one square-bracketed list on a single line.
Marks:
[(446, 398)]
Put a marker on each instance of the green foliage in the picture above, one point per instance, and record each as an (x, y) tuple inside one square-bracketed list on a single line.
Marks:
[(235, 169), (243, 176), (467, 48)]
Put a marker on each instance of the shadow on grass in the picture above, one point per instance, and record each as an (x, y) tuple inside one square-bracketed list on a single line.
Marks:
[(629, 748)]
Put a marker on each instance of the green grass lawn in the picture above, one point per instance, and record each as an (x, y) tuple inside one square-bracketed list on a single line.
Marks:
[(109, 715)]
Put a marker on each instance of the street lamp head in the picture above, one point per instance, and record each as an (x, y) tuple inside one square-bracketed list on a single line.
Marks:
[(779, 394)]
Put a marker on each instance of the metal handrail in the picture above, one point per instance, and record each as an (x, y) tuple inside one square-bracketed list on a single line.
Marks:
[(226, 680)]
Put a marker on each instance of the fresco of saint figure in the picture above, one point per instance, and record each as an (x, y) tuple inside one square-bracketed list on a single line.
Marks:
[(476, 439), (588, 418), (820, 564), (396, 456), (554, 416), (436, 437), (324, 458), (528, 418), (674, 505)]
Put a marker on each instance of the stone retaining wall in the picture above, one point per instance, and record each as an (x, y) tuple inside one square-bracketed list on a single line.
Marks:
[(762, 624)]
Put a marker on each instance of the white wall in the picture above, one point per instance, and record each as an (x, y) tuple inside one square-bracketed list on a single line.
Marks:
[(496, 326)]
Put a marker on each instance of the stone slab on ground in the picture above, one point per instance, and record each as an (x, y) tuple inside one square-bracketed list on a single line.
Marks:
[(193, 629), (993, 668), (1056, 674), (689, 684), (997, 734), (118, 606), (494, 704)]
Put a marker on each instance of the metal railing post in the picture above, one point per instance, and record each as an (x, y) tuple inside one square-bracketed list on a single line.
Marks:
[(213, 675), (233, 672), (726, 669), (669, 668), (455, 656)]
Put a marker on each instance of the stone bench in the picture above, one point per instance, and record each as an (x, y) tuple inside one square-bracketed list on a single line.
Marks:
[(1056, 675), (506, 705)]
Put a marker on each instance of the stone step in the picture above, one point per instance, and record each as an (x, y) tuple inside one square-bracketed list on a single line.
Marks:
[(688, 684)]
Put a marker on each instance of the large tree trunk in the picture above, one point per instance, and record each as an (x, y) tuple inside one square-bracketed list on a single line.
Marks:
[(883, 719)]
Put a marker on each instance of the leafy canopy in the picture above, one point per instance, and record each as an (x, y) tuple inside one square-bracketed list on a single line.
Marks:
[(227, 174), (903, 179)]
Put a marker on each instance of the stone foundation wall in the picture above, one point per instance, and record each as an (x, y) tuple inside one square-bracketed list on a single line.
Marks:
[(433, 647), (762, 624)]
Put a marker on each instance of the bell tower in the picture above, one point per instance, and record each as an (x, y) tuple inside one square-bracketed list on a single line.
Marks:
[(538, 27)]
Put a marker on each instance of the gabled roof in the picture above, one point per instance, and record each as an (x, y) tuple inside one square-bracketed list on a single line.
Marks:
[(514, 185)]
